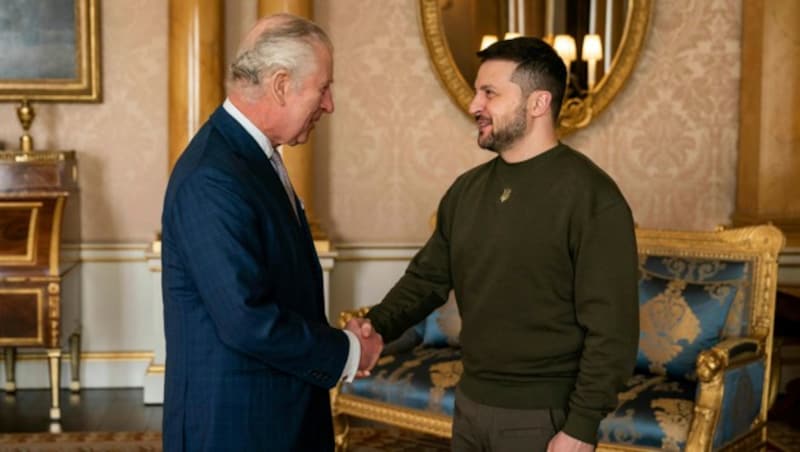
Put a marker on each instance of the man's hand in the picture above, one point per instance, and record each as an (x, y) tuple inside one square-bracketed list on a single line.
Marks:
[(565, 443), (371, 344)]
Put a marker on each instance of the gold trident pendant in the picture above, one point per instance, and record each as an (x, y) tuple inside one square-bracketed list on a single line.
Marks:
[(506, 194)]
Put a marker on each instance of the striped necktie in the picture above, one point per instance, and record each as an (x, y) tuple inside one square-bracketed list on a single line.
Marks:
[(277, 163)]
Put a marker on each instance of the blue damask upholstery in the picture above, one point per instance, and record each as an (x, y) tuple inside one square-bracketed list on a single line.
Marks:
[(423, 378), (741, 401), (684, 305), (709, 271), (654, 411)]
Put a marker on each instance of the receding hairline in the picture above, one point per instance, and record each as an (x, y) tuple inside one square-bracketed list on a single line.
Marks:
[(280, 31), (273, 24)]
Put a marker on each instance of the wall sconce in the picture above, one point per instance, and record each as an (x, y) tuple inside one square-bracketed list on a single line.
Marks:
[(487, 40), (512, 35), (592, 52), (565, 48)]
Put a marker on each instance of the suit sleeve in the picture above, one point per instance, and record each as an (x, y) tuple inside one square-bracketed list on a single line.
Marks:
[(217, 233)]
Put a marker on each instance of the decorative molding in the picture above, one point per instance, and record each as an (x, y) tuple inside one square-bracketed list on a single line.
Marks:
[(106, 252), (356, 252), (92, 356)]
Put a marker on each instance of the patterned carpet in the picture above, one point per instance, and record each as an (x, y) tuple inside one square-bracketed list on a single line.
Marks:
[(363, 439), (367, 439)]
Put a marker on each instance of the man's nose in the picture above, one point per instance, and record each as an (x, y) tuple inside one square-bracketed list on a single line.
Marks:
[(327, 101), (475, 106)]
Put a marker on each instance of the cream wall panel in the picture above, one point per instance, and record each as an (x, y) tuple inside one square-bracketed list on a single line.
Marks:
[(117, 305), (95, 373), (364, 273)]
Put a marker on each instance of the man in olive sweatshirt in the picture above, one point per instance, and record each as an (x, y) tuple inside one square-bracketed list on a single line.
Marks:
[(539, 246)]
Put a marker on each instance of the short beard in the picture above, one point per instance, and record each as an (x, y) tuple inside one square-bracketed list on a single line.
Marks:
[(501, 139)]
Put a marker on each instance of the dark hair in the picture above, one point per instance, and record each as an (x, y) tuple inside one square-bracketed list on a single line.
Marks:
[(539, 67)]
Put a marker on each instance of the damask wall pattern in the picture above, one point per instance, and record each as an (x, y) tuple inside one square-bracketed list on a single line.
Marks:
[(397, 141), (122, 142)]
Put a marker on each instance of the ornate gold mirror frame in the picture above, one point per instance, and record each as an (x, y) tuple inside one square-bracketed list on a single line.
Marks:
[(576, 112)]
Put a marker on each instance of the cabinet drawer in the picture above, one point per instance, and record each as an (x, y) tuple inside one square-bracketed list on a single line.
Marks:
[(22, 316)]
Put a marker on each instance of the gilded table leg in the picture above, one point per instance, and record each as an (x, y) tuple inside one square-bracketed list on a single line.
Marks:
[(75, 361), (54, 360), (10, 364), (341, 430)]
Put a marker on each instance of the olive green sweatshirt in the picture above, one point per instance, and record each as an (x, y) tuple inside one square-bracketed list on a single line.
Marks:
[(542, 257)]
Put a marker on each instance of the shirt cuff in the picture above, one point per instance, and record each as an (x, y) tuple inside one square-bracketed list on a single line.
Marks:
[(353, 357)]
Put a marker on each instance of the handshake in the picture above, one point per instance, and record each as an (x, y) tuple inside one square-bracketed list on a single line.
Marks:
[(371, 344)]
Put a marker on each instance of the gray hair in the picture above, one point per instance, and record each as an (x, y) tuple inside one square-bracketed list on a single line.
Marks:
[(288, 45)]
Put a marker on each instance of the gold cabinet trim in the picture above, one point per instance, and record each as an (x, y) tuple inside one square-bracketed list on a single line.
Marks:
[(55, 236), (22, 341), (28, 258)]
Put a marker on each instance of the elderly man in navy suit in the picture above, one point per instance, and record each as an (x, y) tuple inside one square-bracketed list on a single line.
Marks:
[(250, 355)]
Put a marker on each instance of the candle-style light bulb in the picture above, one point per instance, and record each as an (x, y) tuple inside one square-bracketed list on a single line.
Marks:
[(591, 52)]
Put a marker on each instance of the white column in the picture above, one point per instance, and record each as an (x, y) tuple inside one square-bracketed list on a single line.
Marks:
[(512, 17)]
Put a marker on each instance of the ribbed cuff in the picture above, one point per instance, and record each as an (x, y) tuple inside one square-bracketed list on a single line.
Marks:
[(582, 427)]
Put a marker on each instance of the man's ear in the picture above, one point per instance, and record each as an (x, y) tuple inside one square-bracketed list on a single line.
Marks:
[(278, 86), (539, 103)]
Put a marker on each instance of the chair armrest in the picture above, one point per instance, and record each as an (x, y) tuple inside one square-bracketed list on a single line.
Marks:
[(715, 367), (345, 316), (730, 352)]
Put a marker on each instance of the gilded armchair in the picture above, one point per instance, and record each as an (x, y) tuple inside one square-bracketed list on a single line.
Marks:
[(703, 373), (704, 368)]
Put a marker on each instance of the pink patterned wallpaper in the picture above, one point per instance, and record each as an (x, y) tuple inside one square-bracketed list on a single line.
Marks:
[(396, 141), (121, 142)]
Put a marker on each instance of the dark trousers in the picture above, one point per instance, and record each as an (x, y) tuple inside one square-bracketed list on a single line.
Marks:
[(483, 428)]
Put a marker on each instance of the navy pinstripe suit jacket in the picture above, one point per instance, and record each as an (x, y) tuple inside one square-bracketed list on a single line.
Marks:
[(250, 355)]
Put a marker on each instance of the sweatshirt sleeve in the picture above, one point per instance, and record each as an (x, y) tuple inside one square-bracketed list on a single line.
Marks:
[(607, 308), (424, 286)]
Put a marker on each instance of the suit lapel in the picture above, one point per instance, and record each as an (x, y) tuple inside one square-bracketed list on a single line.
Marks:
[(244, 145)]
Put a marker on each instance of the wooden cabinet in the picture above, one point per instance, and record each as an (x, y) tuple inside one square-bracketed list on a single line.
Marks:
[(38, 201)]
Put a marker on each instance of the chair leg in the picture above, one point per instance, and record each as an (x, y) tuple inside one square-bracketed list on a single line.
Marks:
[(10, 364), (54, 361), (75, 362), (341, 432)]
